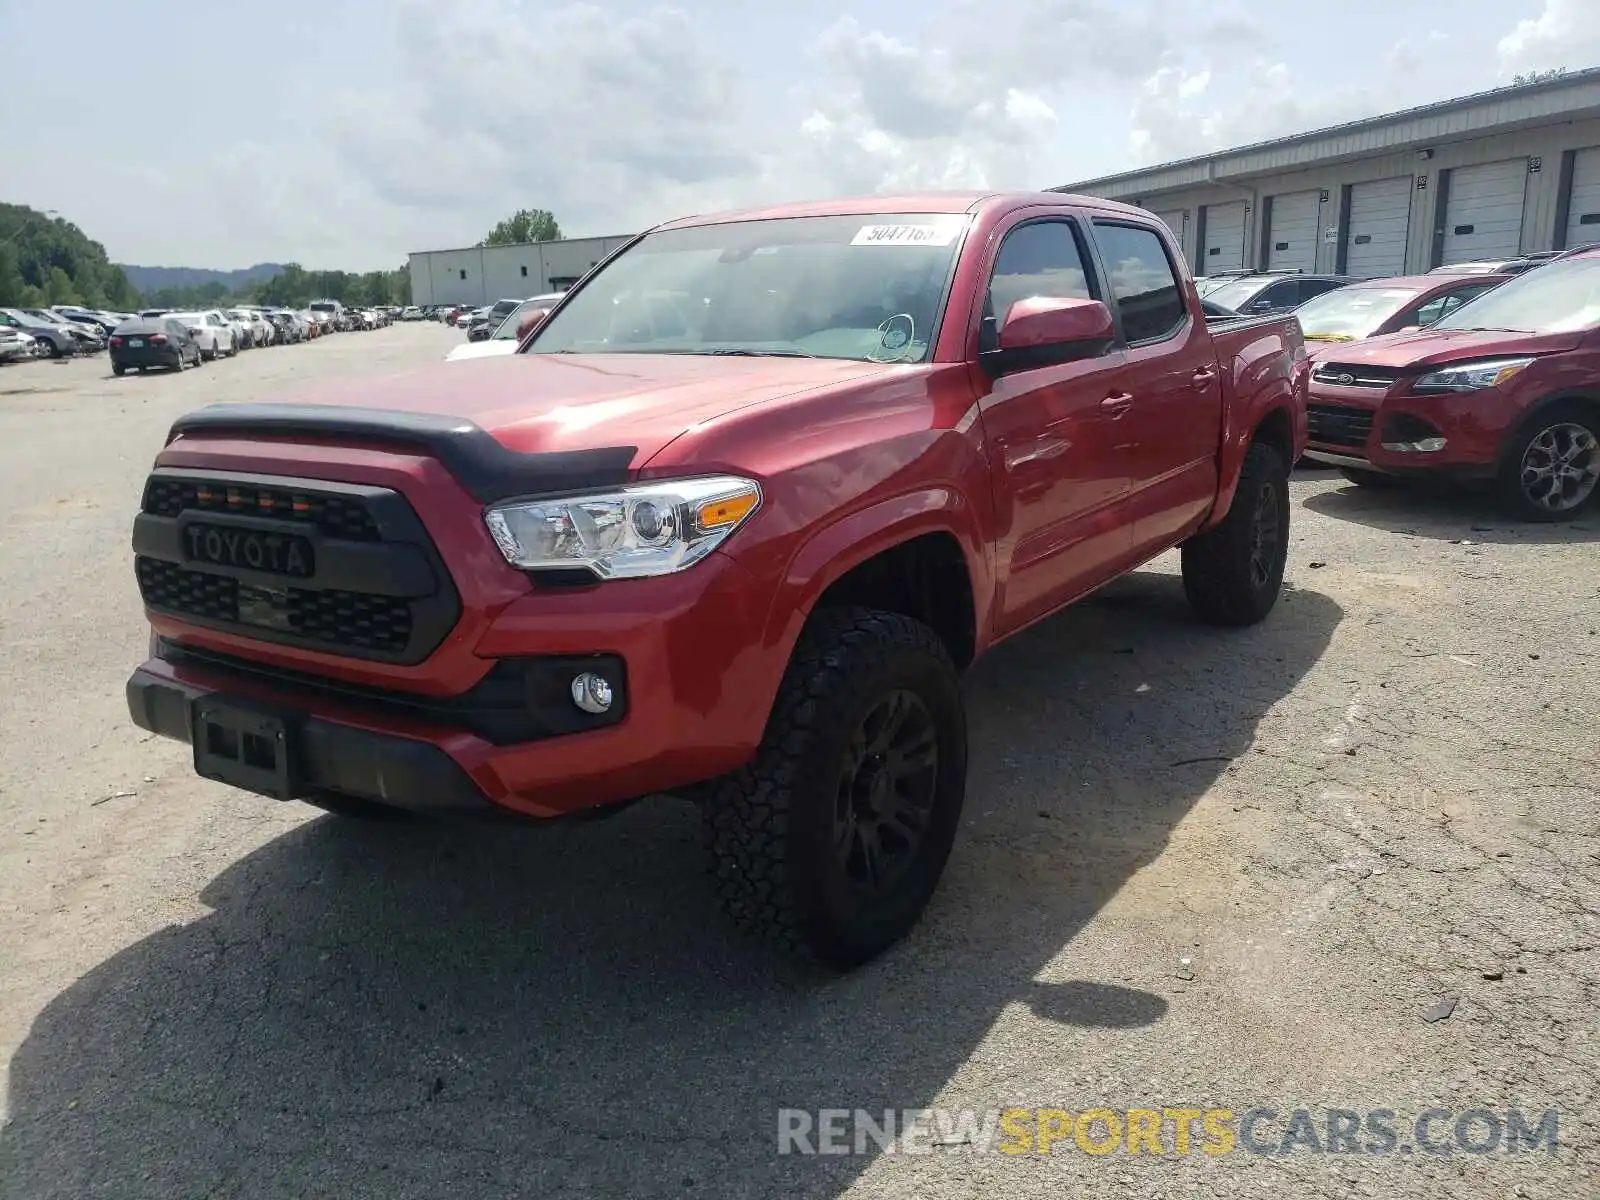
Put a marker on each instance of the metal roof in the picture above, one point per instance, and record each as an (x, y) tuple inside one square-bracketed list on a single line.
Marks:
[(561, 241), (1500, 109)]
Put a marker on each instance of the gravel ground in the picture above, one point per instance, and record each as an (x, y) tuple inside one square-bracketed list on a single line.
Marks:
[(1381, 800)]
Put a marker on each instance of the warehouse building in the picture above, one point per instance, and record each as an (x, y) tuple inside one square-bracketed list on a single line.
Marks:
[(1510, 171), (484, 274)]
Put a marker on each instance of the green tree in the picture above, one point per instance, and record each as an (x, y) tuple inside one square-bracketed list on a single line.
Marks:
[(11, 281), (525, 225), (58, 288)]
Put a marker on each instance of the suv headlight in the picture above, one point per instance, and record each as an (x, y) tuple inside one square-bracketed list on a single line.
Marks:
[(651, 528), (1471, 377)]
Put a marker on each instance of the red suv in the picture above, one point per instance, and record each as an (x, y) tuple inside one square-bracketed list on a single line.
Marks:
[(1506, 389)]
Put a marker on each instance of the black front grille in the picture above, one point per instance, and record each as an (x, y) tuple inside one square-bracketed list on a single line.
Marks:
[(1336, 425), (338, 619), (377, 588), (334, 516), (1353, 375), (169, 586), (350, 618)]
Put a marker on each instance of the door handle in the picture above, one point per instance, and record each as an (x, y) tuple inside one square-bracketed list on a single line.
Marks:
[(1117, 403), (1204, 375)]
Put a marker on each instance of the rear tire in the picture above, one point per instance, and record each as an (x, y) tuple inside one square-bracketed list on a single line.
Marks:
[(1552, 469), (118, 369), (832, 841), (1232, 574)]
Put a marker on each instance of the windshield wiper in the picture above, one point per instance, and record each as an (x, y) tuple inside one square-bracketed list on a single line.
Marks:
[(736, 352), (1492, 329)]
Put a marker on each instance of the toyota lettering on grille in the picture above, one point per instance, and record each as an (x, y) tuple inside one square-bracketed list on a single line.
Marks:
[(251, 549)]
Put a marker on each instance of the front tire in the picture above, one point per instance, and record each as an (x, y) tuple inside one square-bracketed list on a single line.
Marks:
[(1553, 469), (1232, 574), (832, 841)]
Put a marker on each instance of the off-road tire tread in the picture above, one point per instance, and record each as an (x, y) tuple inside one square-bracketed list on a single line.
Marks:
[(746, 819), (1216, 576)]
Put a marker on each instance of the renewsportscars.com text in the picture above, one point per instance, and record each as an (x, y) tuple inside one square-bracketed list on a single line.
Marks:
[(1166, 1131)]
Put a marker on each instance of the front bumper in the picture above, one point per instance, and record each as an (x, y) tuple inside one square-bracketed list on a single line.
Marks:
[(695, 683), (1399, 433), (332, 758)]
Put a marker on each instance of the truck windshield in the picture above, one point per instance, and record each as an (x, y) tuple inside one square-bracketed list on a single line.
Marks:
[(1560, 297), (862, 287)]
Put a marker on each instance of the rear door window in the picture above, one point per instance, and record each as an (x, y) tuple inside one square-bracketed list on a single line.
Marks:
[(1143, 282), (1443, 306)]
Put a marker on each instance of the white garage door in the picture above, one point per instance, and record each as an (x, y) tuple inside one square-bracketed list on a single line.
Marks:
[(1293, 232), (1224, 248), (1174, 221), (1380, 218), (1583, 209), (1483, 217)]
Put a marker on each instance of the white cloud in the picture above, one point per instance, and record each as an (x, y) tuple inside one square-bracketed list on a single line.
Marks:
[(1178, 115), (616, 122), (615, 114), (1566, 33)]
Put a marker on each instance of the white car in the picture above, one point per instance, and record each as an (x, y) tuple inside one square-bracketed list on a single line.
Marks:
[(504, 340), (212, 331), (258, 329)]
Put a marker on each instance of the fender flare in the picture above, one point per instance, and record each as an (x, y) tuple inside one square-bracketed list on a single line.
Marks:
[(1232, 451), (858, 535), (1520, 425)]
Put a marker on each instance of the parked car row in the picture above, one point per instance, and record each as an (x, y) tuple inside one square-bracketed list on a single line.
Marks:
[(173, 339), (27, 333), (63, 331)]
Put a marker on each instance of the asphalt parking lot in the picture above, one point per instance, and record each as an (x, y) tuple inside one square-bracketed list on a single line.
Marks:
[(1199, 869)]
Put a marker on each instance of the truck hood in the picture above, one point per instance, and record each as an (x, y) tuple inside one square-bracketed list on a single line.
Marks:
[(537, 403), (1432, 347)]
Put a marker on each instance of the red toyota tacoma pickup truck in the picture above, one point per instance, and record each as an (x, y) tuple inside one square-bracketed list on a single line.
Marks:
[(1503, 391), (729, 525)]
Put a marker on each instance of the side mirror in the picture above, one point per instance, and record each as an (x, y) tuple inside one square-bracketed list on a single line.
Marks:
[(1046, 330), (531, 322)]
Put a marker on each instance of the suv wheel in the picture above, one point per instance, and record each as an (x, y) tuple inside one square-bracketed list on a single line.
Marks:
[(1232, 574), (832, 840), (1553, 468)]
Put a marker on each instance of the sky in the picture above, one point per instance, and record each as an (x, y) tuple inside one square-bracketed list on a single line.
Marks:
[(347, 134)]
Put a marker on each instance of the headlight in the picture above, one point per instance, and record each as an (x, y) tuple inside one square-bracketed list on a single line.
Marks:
[(1470, 377), (648, 529)]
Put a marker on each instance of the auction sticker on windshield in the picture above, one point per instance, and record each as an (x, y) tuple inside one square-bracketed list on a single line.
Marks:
[(941, 234)]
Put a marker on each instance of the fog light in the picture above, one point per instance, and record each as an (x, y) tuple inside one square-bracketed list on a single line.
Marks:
[(1421, 446), (591, 692)]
